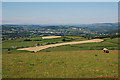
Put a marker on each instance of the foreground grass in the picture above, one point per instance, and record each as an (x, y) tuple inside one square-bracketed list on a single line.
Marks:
[(62, 64)]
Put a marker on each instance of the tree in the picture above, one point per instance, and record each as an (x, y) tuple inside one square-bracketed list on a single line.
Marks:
[(9, 51), (38, 44), (27, 40), (63, 40)]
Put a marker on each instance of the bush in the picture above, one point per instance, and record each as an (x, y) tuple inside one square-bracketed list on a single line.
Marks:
[(27, 40), (63, 40), (37, 40), (91, 48), (47, 51)]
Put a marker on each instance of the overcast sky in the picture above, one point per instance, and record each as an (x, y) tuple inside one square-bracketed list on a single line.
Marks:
[(59, 12)]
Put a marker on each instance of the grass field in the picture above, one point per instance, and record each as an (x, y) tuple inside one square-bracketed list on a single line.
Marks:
[(39, 48), (111, 44), (68, 61), (61, 64), (20, 43)]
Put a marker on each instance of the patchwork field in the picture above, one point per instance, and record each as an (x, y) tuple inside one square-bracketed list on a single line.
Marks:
[(61, 64), (85, 60), (38, 48), (111, 44)]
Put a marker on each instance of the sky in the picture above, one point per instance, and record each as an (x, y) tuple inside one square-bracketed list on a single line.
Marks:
[(59, 12), (60, 0)]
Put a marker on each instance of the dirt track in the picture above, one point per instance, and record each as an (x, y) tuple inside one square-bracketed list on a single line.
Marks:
[(38, 48)]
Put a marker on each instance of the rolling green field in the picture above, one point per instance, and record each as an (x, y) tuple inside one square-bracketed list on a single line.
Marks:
[(69, 61), (61, 64), (111, 44), (20, 43)]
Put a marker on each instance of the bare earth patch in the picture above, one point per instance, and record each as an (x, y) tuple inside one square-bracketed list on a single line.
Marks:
[(38, 48), (50, 37)]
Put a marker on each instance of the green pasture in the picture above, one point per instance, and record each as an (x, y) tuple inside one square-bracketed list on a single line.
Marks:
[(20, 43), (111, 44), (60, 64)]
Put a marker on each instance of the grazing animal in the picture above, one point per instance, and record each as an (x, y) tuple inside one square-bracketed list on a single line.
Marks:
[(106, 50), (95, 55)]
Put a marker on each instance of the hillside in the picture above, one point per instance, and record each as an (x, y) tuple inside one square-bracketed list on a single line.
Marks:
[(89, 30)]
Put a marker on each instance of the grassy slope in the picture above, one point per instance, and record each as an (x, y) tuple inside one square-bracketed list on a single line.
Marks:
[(20, 43), (64, 64), (111, 44)]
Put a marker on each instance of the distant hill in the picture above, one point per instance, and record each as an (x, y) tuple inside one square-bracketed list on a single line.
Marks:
[(84, 30)]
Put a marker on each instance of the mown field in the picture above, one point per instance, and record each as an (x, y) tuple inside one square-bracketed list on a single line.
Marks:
[(111, 44), (61, 64), (20, 43)]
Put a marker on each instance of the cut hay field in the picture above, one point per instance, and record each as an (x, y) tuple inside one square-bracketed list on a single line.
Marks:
[(38, 48), (61, 64), (111, 44), (51, 37), (20, 43)]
